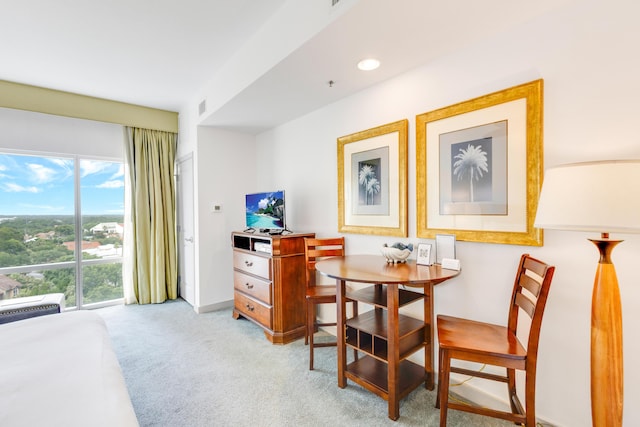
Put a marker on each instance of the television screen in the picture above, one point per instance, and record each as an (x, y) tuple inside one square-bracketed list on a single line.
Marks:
[(265, 210)]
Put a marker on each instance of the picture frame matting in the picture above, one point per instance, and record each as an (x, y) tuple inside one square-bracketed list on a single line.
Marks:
[(513, 161), (372, 181)]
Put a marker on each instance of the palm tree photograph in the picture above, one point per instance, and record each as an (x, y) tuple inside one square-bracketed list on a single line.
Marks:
[(369, 182), (473, 171), (471, 167)]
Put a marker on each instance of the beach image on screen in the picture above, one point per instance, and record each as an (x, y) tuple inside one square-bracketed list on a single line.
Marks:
[(265, 210)]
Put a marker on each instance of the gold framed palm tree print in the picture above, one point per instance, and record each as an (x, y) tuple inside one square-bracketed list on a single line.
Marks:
[(479, 168), (372, 180)]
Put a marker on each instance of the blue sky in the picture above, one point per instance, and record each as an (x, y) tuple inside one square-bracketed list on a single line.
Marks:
[(32, 185)]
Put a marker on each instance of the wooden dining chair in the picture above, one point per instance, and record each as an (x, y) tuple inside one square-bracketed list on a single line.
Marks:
[(316, 250), (473, 341)]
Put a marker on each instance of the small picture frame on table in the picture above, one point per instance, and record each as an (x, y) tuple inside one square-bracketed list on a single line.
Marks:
[(423, 256)]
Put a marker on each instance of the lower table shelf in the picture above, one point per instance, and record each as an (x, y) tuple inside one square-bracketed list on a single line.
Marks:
[(367, 332), (372, 374)]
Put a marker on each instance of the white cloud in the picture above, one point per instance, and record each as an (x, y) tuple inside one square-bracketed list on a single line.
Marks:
[(89, 167), (111, 184), (119, 173), (16, 188), (65, 164), (3, 168), (42, 174)]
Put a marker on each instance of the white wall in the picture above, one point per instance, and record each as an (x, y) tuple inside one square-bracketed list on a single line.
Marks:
[(587, 56), (225, 173)]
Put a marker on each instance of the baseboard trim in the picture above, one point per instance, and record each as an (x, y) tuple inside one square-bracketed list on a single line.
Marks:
[(213, 307)]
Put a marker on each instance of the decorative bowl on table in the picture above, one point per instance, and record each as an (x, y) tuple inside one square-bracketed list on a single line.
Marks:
[(396, 253)]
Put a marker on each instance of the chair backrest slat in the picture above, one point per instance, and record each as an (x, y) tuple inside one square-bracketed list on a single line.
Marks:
[(537, 266), (318, 249), (325, 252), (531, 284), (526, 304), (535, 276)]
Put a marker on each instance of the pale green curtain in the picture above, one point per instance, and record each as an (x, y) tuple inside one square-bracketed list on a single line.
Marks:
[(150, 263)]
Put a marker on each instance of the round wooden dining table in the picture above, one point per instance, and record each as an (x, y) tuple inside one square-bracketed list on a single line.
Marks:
[(385, 336)]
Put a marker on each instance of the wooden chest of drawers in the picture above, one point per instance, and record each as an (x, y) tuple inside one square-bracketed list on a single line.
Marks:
[(269, 283)]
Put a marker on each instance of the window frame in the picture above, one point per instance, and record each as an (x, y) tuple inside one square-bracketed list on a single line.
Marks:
[(79, 263)]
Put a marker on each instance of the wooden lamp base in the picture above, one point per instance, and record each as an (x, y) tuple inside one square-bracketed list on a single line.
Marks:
[(606, 341)]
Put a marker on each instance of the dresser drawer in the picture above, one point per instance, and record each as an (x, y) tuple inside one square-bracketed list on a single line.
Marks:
[(257, 288), (253, 309), (253, 264)]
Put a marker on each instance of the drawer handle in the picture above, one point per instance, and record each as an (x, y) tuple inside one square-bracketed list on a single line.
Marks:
[(248, 263), (249, 307), (249, 286)]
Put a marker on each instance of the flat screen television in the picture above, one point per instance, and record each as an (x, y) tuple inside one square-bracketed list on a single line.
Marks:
[(265, 212)]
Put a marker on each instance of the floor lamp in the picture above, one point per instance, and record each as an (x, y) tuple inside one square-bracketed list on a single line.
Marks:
[(603, 197)]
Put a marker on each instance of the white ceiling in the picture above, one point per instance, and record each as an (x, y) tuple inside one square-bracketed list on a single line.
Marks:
[(155, 53), (162, 53)]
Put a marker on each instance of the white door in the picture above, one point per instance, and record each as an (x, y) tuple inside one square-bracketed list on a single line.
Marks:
[(186, 252)]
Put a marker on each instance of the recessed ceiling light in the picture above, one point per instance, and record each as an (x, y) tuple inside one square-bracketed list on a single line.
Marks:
[(368, 64)]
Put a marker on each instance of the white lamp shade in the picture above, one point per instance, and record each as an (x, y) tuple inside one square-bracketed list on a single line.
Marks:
[(595, 196)]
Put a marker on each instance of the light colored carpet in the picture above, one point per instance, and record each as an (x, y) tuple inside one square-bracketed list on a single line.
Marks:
[(188, 369)]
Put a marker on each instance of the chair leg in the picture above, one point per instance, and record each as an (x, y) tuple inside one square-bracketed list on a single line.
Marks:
[(530, 396), (306, 325), (511, 385), (443, 394), (440, 369), (311, 326)]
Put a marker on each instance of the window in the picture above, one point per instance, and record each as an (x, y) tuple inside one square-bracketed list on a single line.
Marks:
[(61, 227)]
